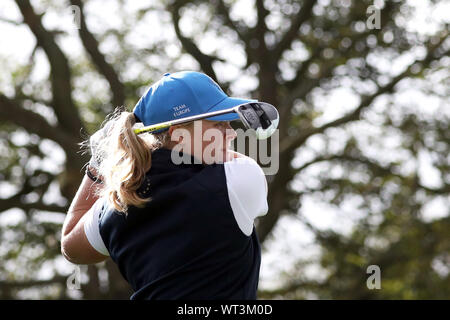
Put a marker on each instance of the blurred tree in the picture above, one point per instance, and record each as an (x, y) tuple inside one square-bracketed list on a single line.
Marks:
[(299, 54)]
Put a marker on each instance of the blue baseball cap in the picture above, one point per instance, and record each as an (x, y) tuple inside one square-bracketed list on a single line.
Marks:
[(184, 94)]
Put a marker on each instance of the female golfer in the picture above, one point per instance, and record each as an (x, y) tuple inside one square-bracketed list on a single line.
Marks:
[(175, 230)]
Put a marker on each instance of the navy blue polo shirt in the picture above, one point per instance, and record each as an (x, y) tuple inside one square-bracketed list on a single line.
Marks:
[(195, 239)]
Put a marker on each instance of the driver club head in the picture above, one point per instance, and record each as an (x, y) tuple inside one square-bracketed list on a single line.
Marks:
[(259, 116)]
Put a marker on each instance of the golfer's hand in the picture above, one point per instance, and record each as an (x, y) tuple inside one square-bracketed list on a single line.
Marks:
[(95, 146)]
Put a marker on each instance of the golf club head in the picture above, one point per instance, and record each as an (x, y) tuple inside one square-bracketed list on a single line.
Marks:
[(259, 116)]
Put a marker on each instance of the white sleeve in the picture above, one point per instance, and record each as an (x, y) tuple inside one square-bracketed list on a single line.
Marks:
[(247, 191), (92, 228)]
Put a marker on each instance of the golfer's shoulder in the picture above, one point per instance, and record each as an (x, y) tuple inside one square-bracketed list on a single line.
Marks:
[(243, 163), (247, 191), (245, 175)]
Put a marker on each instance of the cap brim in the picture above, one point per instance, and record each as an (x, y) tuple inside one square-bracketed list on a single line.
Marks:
[(228, 103)]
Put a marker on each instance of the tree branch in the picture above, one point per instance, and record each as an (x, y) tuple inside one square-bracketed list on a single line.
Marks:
[(92, 47), (32, 122), (60, 76), (277, 193), (289, 145), (261, 27), (289, 288), (16, 23), (242, 31), (375, 167), (204, 60), (238, 26), (296, 22), (8, 285), (297, 87), (16, 202)]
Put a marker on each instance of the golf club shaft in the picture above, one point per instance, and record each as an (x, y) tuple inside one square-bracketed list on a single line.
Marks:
[(167, 124)]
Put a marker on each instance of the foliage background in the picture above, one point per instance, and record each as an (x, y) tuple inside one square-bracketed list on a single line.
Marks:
[(364, 154)]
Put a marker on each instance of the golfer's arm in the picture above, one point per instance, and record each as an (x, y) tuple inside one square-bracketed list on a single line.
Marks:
[(74, 243), (83, 201)]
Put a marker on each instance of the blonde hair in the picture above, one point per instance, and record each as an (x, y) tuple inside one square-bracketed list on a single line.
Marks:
[(125, 160)]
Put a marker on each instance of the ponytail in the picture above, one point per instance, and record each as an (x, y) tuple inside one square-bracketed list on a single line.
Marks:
[(127, 159)]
